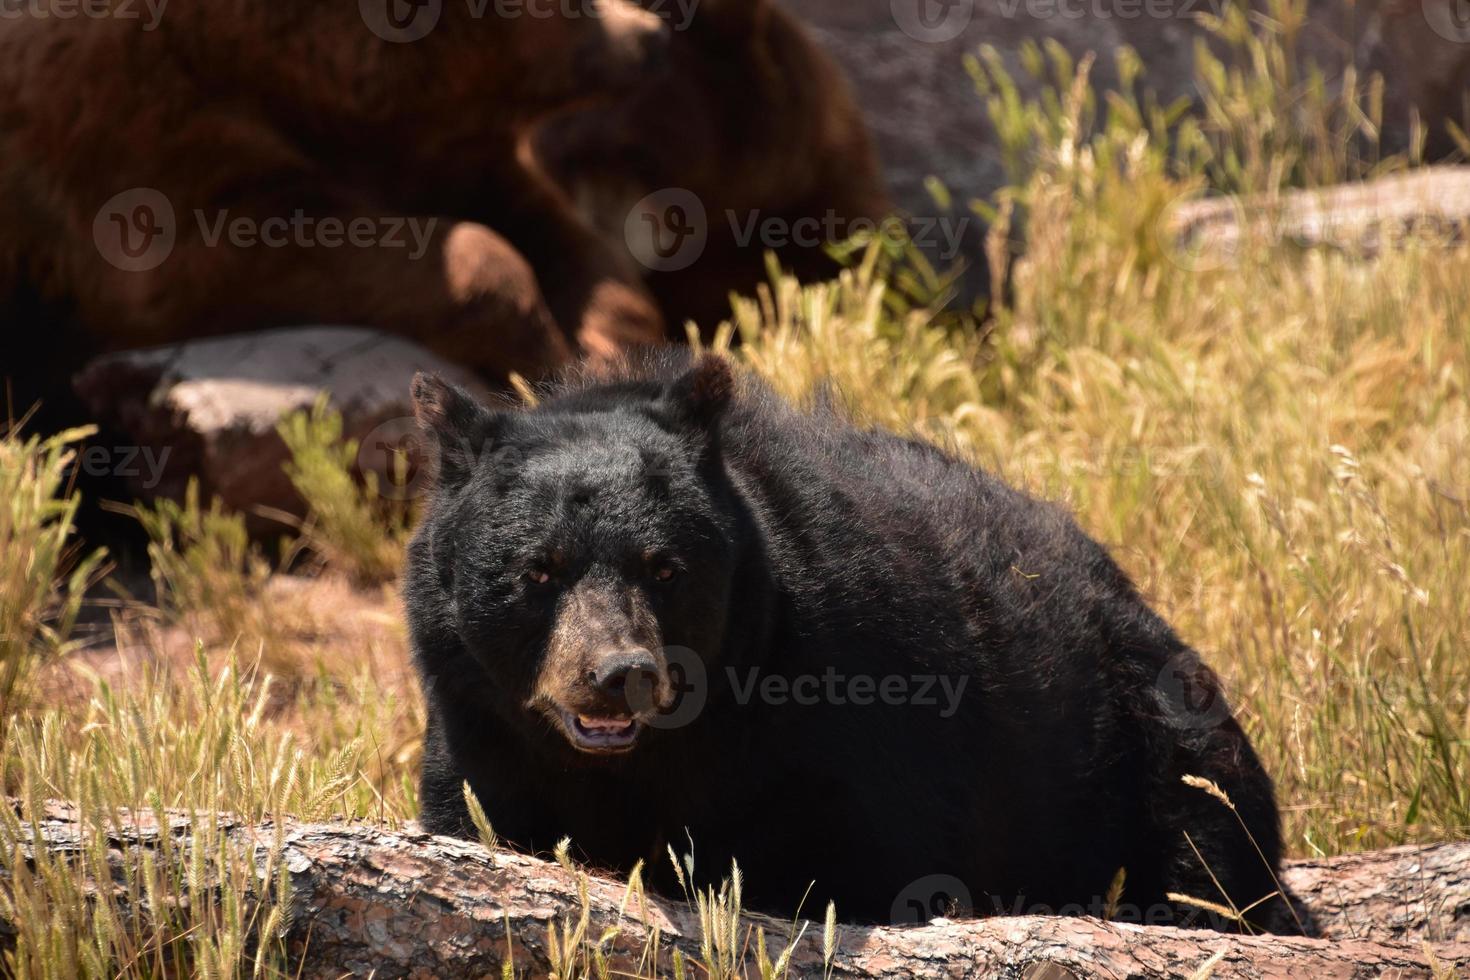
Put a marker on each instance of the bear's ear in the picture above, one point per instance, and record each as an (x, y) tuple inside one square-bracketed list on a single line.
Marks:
[(699, 396), (460, 425)]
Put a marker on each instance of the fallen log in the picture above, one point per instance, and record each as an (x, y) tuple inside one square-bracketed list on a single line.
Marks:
[(1363, 219), (397, 903), (1404, 894)]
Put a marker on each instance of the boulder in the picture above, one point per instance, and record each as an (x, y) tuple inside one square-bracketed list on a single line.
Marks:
[(905, 58), (209, 408)]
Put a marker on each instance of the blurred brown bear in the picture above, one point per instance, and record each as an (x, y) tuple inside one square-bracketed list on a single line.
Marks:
[(752, 141), (206, 167)]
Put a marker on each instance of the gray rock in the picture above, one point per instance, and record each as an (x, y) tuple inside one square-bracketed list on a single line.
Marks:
[(928, 120), (209, 408)]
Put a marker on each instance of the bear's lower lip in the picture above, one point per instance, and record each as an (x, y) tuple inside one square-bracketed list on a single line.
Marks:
[(598, 734)]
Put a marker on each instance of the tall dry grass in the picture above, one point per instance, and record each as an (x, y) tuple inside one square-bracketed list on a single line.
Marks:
[(43, 577)]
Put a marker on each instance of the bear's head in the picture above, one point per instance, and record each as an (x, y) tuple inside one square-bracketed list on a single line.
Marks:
[(573, 550), (573, 51), (751, 116)]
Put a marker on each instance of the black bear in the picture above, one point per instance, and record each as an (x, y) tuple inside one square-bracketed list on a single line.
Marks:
[(666, 607)]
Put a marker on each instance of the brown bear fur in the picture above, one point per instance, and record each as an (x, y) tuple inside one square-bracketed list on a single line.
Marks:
[(753, 118), (261, 109)]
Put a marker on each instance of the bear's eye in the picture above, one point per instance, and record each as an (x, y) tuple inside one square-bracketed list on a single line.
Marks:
[(659, 566), (537, 576)]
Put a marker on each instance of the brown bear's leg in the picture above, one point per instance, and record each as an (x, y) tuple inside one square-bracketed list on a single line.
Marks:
[(594, 292), (456, 287)]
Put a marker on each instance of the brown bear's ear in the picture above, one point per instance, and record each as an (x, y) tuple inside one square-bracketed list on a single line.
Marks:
[(460, 425), (700, 395)]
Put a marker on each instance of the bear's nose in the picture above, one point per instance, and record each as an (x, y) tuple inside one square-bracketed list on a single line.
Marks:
[(612, 674)]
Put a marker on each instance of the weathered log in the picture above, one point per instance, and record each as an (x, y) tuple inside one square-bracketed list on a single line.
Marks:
[(1404, 894), (1363, 219), (405, 904)]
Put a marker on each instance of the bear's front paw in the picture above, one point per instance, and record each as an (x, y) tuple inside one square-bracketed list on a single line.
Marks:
[(618, 318)]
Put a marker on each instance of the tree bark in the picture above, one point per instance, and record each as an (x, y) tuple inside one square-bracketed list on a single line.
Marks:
[(405, 904), (1402, 895)]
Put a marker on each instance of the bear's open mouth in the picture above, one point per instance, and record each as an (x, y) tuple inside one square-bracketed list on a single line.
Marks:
[(592, 733)]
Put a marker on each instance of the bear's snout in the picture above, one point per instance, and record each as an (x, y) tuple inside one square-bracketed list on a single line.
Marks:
[(612, 674), (604, 675), (622, 681)]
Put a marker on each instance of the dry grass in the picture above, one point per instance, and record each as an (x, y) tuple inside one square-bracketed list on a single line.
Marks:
[(347, 527), (1277, 448), (42, 577)]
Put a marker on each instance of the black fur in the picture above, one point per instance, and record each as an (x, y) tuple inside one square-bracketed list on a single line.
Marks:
[(808, 546)]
